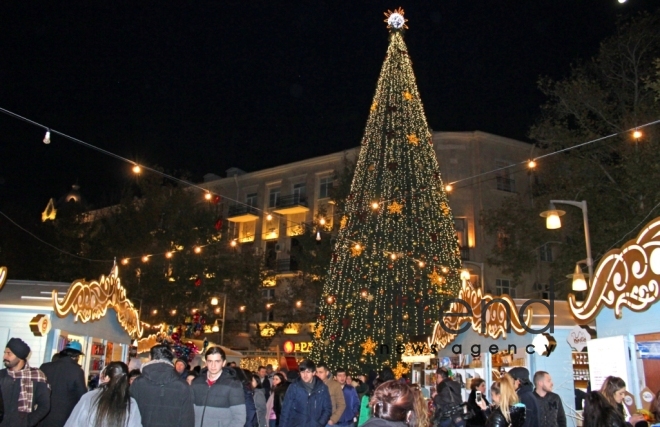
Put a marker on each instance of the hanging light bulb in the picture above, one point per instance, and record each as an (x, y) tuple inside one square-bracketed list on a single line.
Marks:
[(531, 164), (168, 254), (393, 256), (269, 217), (137, 169), (154, 312), (636, 134), (421, 264), (449, 188), (47, 137), (198, 249), (124, 261), (233, 243), (318, 236), (375, 205), (145, 258), (322, 221), (207, 196), (298, 304)]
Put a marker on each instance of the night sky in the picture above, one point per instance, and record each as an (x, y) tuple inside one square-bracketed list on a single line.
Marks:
[(203, 86)]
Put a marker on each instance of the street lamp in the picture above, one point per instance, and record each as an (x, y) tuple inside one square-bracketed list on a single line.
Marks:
[(553, 222)]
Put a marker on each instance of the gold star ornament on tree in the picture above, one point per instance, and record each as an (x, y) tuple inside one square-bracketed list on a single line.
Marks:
[(343, 221), (436, 279), (356, 250), (445, 208), (368, 347), (374, 106), (412, 139), (407, 96), (318, 331), (395, 208), (400, 370)]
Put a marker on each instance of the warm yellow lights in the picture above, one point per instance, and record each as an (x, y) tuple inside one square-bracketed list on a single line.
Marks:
[(393, 256), (193, 311), (330, 299), (637, 134), (154, 312), (145, 258), (173, 312), (198, 249), (217, 310), (168, 254), (364, 293), (124, 261), (375, 205), (552, 217), (444, 270), (322, 221), (269, 217), (531, 164), (269, 305), (298, 304), (465, 275), (137, 169), (207, 196), (449, 188), (579, 282), (233, 243), (421, 264), (214, 301), (241, 308)]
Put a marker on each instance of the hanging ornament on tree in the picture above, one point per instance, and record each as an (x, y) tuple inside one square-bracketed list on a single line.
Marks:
[(218, 224)]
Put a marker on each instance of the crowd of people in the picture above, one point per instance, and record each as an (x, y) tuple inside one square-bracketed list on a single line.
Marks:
[(166, 392)]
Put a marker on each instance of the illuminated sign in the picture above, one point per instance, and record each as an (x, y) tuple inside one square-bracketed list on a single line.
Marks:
[(626, 277), (40, 325), (89, 301), (299, 347)]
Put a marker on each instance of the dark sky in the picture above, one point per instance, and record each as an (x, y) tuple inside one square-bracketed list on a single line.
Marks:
[(205, 85)]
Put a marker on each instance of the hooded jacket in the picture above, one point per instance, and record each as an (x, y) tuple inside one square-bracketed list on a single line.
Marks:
[(221, 404), (303, 409), (516, 413), (526, 396), (164, 400), (67, 385), (448, 397)]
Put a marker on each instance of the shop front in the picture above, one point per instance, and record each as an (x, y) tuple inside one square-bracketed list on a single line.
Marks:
[(48, 315)]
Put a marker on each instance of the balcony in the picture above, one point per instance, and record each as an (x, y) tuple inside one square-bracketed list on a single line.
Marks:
[(465, 253), (293, 204), (506, 184), (242, 213), (286, 264)]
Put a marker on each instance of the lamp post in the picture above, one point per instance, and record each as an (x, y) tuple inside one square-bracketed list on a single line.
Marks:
[(214, 301), (553, 222)]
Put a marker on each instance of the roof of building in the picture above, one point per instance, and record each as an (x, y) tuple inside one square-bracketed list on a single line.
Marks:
[(31, 293)]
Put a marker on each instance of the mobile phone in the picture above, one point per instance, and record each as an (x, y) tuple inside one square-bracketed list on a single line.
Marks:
[(478, 397)]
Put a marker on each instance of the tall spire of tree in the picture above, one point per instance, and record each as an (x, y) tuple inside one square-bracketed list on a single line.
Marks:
[(396, 256)]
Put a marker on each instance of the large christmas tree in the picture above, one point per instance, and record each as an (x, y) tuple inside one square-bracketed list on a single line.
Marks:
[(397, 257)]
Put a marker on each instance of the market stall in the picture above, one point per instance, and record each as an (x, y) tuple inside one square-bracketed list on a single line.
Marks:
[(48, 315)]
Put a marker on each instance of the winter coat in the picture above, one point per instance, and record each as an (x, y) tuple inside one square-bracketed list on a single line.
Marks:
[(379, 422), (516, 413), (164, 399), (84, 414), (260, 404), (551, 410), (67, 385), (352, 405), (221, 404), (448, 397), (479, 418), (265, 383), (278, 394), (10, 389), (250, 408), (526, 396), (337, 399), (303, 409), (365, 410)]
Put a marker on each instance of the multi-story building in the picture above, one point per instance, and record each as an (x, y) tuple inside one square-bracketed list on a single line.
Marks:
[(266, 208)]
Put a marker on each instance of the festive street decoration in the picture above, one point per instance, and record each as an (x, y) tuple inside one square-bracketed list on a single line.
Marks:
[(393, 233), (400, 370), (89, 301), (625, 277), (3, 276)]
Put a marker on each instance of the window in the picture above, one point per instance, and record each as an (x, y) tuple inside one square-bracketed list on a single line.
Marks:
[(247, 231), (325, 186), (299, 190), (502, 240), (268, 293), (296, 224), (545, 253), (273, 197), (271, 255), (504, 180), (503, 287), (461, 231), (251, 199), (268, 316)]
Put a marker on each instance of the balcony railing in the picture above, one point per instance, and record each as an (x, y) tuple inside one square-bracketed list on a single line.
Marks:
[(465, 253), (286, 264), (239, 210), (291, 200), (506, 184)]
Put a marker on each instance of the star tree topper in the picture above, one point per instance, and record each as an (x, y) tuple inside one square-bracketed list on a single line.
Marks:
[(395, 19)]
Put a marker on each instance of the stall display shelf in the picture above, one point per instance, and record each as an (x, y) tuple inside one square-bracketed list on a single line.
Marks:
[(581, 370)]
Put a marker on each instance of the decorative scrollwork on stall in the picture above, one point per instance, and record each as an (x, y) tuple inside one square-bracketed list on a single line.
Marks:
[(626, 277), (89, 301)]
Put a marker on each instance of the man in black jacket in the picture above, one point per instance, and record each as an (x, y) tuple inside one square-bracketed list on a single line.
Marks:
[(164, 399), (551, 410), (67, 384), (525, 393), (447, 400)]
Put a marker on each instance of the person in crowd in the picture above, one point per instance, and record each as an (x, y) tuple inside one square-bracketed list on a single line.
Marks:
[(191, 376), (110, 404), (231, 365), (395, 404), (614, 390), (447, 399), (386, 374), (181, 368), (263, 379), (132, 376), (655, 406), (365, 409), (24, 390), (477, 387), (360, 387), (524, 390), (274, 403), (162, 397), (349, 417), (336, 394), (507, 408), (307, 401), (67, 384), (248, 393), (259, 400), (598, 412), (551, 409), (269, 374), (219, 397)]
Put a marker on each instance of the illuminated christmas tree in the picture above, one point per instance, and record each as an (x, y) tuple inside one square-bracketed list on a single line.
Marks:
[(397, 257)]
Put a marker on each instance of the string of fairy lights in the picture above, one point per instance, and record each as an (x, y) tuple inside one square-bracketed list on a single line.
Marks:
[(531, 164)]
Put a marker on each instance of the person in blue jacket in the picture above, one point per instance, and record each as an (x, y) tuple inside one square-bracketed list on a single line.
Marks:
[(352, 411), (307, 400)]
